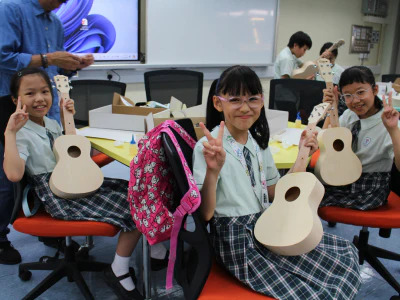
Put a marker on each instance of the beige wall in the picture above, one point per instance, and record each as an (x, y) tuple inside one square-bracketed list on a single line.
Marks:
[(323, 20)]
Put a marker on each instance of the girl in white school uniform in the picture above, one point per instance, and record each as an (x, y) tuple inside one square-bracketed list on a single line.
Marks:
[(375, 131), (235, 171), (29, 137)]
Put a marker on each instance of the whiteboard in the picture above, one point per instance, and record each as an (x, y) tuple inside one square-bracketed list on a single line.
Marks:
[(210, 32)]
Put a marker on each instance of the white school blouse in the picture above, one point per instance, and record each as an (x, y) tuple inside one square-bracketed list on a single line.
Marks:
[(375, 147), (235, 196), (34, 146)]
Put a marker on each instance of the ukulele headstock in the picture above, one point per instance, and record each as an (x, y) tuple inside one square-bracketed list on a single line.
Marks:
[(62, 84), (338, 44), (325, 69), (318, 113)]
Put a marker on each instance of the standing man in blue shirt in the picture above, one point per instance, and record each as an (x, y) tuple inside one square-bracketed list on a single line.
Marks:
[(31, 35)]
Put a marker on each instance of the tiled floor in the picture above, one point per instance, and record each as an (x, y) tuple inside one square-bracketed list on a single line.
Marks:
[(11, 287)]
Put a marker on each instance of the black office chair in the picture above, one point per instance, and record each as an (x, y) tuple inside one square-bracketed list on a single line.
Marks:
[(7, 108), (184, 85), (295, 95), (192, 266), (390, 77), (91, 94)]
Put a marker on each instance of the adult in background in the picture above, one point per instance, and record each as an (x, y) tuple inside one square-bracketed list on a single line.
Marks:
[(31, 35)]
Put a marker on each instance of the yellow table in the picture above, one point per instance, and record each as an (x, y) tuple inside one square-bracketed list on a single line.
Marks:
[(283, 160)]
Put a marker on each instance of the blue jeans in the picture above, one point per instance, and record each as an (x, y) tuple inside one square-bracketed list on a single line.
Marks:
[(6, 200)]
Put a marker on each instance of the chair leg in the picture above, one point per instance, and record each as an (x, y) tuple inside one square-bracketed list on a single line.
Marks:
[(80, 282), (382, 253), (380, 268), (40, 266), (91, 266), (47, 283)]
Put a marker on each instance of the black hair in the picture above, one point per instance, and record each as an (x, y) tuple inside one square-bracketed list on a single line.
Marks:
[(16, 79), (301, 39), (359, 74), (238, 80), (326, 46)]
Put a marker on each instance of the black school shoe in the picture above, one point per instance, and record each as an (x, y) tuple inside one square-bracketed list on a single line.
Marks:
[(8, 254), (159, 264), (114, 283)]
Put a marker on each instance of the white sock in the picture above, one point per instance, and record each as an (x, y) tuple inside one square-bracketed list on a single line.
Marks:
[(158, 251), (120, 266)]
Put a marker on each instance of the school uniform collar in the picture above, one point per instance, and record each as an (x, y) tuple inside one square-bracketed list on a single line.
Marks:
[(367, 123), (290, 52), (228, 148), (40, 130)]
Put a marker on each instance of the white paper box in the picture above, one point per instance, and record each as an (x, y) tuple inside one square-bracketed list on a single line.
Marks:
[(277, 121), (104, 118)]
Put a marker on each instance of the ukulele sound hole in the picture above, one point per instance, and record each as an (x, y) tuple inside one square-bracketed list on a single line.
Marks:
[(338, 145), (292, 194), (74, 151)]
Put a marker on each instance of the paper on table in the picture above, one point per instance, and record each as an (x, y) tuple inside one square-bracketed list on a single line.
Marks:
[(110, 134), (291, 136), (125, 102)]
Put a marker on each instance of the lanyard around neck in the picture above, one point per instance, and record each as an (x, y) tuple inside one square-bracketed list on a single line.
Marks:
[(239, 153)]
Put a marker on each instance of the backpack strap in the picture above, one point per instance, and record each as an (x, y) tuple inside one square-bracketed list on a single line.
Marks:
[(190, 201)]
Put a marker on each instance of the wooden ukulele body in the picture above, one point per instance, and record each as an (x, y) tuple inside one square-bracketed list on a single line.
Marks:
[(308, 69), (291, 226), (75, 175), (337, 164)]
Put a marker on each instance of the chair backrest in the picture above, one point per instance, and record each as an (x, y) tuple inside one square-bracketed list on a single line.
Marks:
[(7, 108), (295, 95), (192, 267), (390, 77), (184, 85), (91, 94)]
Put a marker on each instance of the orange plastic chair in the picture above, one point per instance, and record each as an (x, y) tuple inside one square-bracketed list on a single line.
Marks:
[(385, 217), (71, 266)]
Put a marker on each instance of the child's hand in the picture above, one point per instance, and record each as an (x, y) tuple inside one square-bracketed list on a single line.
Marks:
[(69, 105), (390, 116), (214, 153), (310, 142), (17, 119), (331, 97)]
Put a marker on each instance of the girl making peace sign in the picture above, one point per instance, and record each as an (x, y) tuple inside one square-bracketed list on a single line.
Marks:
[(374, 127), (234, 169)]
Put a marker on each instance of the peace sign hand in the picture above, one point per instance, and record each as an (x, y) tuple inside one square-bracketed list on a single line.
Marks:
[(17, 119), (214, 153), (390, 116)]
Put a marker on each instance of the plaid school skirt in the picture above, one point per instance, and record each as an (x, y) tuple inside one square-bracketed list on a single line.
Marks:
[(109, 204), (330, 271), (368, 192)]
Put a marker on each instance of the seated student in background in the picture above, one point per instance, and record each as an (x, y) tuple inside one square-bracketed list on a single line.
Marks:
[(336, 69), (235, 171), (375, 133), (289, 58), (29, 137)]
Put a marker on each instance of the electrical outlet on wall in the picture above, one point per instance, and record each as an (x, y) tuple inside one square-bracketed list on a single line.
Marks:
[(109, 75)]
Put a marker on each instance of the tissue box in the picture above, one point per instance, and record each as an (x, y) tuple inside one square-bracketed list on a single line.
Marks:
[(277, 121)]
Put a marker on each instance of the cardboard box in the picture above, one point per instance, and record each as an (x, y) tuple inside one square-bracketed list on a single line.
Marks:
[(119, 107), (277, 121), (104, 118), (151, 122)]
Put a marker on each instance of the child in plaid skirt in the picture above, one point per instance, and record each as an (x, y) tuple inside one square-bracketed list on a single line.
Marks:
[(374, 126), (235, 171), (29, 138)]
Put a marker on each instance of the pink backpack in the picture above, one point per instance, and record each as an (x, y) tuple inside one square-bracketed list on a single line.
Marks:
[(151, 186)]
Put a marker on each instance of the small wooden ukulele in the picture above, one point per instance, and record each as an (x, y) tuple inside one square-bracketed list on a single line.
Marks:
[(337, 164), (291, 226), (309, 68), (76, 175)]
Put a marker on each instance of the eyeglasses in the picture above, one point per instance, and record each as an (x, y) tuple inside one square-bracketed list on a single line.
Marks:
[(237, 102), (360, 95)]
